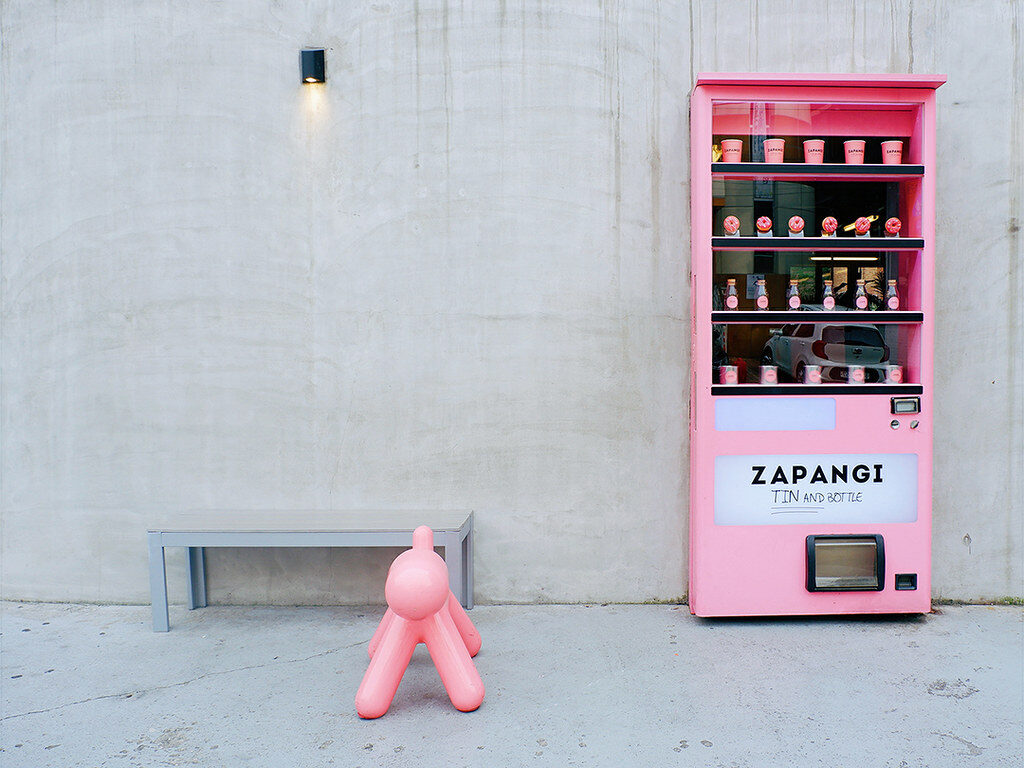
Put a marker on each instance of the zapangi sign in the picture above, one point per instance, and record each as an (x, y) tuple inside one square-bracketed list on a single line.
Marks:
[(816, 488)]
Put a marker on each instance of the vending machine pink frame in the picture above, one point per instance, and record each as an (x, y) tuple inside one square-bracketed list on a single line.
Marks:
[(811, 407)]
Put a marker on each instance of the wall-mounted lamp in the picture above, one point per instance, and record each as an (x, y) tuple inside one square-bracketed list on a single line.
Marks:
[(313, 66)]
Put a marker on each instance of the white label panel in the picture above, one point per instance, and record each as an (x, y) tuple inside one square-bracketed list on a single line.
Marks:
[(817, 489), (774, 414)]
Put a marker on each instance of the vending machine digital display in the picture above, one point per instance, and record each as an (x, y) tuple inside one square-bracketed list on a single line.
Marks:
[(813, 216)]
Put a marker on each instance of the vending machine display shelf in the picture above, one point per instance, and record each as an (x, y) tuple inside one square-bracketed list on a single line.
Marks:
[(816, 389), (819, 171), (774, 317), (722, 243)]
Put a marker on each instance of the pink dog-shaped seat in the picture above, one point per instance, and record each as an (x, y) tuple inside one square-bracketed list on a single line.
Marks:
[(421, 609)]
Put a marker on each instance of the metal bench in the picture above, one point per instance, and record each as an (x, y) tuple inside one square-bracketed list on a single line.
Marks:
[(453, 530)]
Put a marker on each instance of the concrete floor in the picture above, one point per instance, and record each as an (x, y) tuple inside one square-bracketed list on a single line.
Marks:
[(609, 685)]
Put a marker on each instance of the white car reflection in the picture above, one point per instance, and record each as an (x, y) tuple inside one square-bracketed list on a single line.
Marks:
[(833, 346)]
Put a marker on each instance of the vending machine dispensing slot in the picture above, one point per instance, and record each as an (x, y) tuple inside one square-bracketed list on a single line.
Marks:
[(841, 563)]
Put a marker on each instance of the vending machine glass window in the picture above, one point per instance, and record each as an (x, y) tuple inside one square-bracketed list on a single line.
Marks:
[(812, 202)]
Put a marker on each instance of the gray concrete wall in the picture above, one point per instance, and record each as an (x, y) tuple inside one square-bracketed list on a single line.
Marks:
[(454, 276)]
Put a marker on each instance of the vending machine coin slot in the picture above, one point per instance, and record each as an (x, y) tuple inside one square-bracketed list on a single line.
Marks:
[(845, 563)]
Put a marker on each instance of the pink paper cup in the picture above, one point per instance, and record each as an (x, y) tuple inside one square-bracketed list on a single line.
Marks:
[(814, 151), (854, 149), (774, 150), (732, 150), (892, 152)]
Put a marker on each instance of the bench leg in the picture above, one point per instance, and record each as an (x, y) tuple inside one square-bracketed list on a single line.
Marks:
[(158, 583), (467, 558), (454, 559), (196, 577)]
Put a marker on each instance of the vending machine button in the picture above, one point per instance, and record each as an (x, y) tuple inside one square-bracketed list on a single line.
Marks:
[(895, 423)]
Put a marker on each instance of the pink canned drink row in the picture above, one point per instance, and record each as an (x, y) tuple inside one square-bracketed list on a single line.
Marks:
[(814, 151), (855, 374)]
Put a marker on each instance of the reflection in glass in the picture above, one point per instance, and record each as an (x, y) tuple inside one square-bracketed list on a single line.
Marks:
[(803, 352)]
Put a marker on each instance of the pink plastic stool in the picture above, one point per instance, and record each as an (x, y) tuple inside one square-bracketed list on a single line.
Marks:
[(421, 609)]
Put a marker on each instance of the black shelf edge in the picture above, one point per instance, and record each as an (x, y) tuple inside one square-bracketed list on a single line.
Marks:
[(816, 389), (775, 317), (908, 170), (720, 243)]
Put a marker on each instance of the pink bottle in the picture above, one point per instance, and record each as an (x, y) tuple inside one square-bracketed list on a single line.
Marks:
[(892, 297), (421, 609), (761, 295), (860, 299), (828, 300), (732, 301)]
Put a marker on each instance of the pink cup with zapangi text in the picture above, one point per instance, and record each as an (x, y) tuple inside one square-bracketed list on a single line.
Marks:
[(814, 151), (892, 152), (774, 150), (854, 149), (732, 150)]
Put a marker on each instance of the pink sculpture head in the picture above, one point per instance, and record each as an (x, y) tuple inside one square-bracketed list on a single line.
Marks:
[(417, 583)]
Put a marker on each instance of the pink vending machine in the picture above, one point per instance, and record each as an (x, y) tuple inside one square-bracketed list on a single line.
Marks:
[(813, 260)]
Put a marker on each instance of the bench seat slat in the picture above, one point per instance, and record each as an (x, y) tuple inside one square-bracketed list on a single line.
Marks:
[(314, 521), (303, 528)]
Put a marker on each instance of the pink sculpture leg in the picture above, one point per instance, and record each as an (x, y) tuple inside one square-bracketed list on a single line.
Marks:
[(386, 669), (421, 609), (466, 629), (453, 662), (382, 628)]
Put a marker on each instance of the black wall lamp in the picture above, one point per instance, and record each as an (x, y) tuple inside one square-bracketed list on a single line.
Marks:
[(313, 66)]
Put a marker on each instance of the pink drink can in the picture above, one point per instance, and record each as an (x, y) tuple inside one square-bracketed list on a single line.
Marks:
[(774, 150), (894, 374), (769, 374), (728, 374), (732, 150), (812, 374), (854, 150), (856, 374), (892, 152)]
